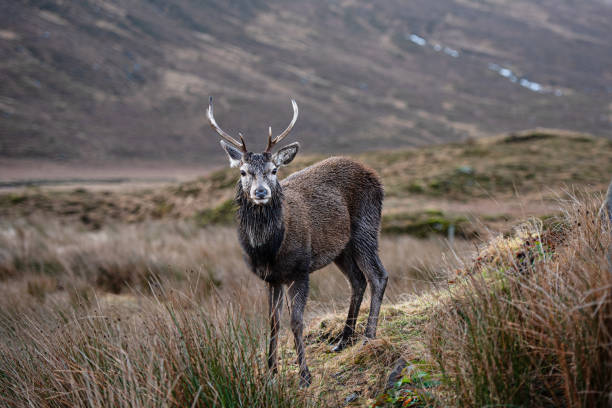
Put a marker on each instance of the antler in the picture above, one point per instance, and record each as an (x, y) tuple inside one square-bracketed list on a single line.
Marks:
[(213, 123), (272, 142)]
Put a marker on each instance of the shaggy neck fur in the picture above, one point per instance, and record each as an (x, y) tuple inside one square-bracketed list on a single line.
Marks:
[(261, 228)]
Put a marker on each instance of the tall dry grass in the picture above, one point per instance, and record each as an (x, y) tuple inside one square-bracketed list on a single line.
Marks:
[(41, 257), (163, 351), (532, 324), (163, 313)]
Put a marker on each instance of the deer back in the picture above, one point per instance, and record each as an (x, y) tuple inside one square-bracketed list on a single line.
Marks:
[(323, 203)]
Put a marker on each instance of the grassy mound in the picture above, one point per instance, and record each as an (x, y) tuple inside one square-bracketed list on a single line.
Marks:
[(530, 325), (526, 323)]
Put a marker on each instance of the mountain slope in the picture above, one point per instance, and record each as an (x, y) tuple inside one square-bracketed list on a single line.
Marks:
[(102, 80)]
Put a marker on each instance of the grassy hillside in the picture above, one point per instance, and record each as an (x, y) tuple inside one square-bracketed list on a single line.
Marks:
[(490, 182), (498, 293), (104, 81), (526, 322)]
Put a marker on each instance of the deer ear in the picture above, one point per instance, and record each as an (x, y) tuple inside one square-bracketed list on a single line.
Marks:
[(234, 155), (285, 155)]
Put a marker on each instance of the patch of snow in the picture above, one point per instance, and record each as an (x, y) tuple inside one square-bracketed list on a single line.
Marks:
[(533, 86), (524, 82), (502, 71), (420, 41), (453, 53)]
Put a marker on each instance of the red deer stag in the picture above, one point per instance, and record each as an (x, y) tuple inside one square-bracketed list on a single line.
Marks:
[(328, 212)]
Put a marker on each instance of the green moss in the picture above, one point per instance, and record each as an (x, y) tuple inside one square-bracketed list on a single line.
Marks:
[(222, 179), (416, 188), (496, 217), (162, 209), (475, 151), (188, 190), (425, 223), (13, 199), (224, 213), (465, 181), (412, 389)]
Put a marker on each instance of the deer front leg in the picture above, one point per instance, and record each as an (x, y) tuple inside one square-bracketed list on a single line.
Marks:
[(298, 293), (275, 299)]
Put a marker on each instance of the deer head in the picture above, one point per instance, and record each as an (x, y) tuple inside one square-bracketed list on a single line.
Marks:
[(257, 170)]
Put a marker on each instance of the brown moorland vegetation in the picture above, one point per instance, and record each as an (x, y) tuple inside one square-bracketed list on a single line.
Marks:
[(161, 311)]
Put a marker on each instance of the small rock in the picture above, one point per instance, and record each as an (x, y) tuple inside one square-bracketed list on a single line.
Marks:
[(351, 397), (396, 373), (465, 170)]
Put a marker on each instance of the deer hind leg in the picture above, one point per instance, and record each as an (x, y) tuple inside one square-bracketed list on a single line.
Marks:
[(366, 257), (358, 282), (378, 283), (275, 300), (298, 293)]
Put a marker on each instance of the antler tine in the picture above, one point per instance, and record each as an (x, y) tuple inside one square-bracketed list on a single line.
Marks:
[(221, 132), (272, 142), (243, 147)]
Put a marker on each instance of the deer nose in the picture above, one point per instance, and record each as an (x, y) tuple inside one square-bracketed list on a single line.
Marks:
[(261, 192)]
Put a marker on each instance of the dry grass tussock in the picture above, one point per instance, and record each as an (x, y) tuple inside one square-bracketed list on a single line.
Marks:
[(531, 325), (164, 351)]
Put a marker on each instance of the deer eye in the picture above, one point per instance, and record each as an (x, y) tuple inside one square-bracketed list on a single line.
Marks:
[(242, 173), (274, 170)]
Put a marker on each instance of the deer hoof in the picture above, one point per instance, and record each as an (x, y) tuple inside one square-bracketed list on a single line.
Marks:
[(344, 343), (340, 346), (367, 340), (305, 379)]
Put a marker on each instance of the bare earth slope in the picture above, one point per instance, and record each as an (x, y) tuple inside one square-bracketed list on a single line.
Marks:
[(105, 81)]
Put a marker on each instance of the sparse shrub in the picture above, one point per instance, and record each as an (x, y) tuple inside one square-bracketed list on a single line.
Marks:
[(528, 136), (16, 199), (162, 208)]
